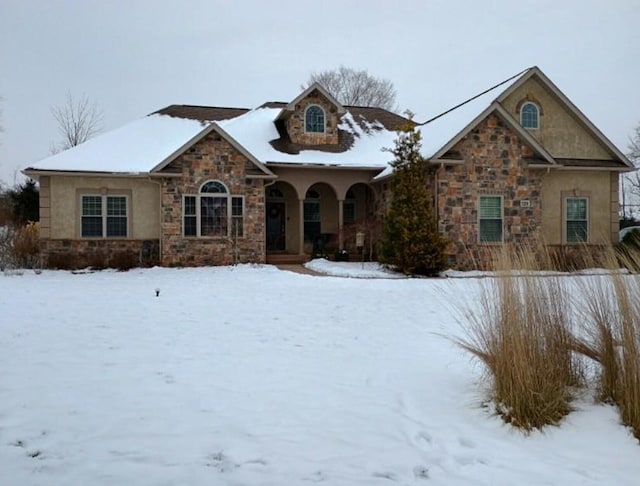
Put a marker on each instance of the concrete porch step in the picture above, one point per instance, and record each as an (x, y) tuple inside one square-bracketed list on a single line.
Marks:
[(286, 258)]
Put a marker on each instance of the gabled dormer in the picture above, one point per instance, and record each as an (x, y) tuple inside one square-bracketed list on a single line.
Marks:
[(312, 118)]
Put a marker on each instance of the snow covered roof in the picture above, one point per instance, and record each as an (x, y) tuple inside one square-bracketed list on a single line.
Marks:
[(437, 133), (256, 130), (146, 144), (133, 148)]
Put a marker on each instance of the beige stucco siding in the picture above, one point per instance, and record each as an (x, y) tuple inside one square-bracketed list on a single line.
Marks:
[(560, 132), (143, 204), (596, 186)]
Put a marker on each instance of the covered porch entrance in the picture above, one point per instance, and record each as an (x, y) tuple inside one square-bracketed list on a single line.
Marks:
[(313, 213)]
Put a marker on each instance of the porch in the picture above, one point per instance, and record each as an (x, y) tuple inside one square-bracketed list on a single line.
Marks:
[(316, 212)]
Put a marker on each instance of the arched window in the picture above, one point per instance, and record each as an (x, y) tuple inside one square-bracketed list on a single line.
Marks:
[(314, 119), (214, 187), (212, 212), (530, 116)]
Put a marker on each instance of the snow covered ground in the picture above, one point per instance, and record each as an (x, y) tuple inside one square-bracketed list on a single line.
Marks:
[(250, 375)]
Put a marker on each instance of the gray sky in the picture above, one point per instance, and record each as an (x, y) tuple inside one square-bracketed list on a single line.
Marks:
[(133, 57)]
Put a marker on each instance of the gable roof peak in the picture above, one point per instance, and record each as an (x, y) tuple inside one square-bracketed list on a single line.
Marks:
[(573, 109), (291, 106)]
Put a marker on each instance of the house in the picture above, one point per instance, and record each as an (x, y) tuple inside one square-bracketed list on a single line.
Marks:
[(193, 185)]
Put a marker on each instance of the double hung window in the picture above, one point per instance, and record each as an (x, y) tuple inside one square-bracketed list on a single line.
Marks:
[(490, 219), (576, 219), (104, 216)]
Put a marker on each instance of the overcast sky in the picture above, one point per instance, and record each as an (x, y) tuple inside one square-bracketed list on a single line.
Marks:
[(134, 57)]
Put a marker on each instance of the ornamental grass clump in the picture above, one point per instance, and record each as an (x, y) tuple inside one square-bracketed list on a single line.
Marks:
[(520, 333), (610, 307)]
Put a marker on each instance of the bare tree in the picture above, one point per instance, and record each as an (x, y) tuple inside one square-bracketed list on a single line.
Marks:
[(352, 87), (632, 181), (78, 121)]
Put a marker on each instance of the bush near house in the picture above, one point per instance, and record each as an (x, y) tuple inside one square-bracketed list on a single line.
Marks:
[(19, 246), (411, 241)]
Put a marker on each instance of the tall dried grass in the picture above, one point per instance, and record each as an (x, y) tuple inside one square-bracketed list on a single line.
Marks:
[(611, 334), (520, 332)]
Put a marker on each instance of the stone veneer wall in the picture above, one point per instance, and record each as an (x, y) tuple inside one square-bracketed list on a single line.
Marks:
[(295, 122), (212, 158), (101, 253), (493, 165)]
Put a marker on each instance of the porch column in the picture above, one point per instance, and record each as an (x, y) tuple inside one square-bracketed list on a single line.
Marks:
[(340, 224), (301, 227)]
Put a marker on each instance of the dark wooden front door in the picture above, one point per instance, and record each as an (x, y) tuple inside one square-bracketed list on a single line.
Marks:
[(275, 226)]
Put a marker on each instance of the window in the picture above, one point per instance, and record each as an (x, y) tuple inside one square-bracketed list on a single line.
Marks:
[(349, 208), (103, 216), (490, 219), (314, 119), (576, 218), (311, 215), (213, 212), (529, 116)]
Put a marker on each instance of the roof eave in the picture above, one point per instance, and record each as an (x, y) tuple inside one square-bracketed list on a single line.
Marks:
[(31, 172), (311, 165)]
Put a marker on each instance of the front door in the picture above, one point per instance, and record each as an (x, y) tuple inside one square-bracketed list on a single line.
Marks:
[(275, 226)]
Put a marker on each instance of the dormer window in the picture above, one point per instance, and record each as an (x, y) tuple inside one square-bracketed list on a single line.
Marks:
[(529, 116), (314, 119)]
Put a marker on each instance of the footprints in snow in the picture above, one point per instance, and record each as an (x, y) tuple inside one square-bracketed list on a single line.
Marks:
[(33, 453), (223, 463)]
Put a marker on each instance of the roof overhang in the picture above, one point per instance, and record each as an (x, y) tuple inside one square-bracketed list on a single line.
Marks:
[(311, 166), (31, 172)]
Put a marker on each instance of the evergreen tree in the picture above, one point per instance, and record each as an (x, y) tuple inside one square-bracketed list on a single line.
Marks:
[(411, 241), (25, 200)]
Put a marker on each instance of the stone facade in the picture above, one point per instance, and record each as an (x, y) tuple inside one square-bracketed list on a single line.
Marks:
[(98, 253), (493, 165), (295, 121), (212, 158)]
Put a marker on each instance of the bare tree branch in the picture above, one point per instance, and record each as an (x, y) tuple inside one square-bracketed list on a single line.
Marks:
[(631, 182), (78, 121), (358, 88)]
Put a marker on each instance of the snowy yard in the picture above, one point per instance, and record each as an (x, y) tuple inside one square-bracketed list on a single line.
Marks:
[(255, 376)]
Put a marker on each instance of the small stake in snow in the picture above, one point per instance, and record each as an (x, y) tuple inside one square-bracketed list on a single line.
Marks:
[(157, 292)]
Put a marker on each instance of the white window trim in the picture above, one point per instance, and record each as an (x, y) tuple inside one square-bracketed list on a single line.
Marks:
[(537, 118), (324, 127), (501, 219), (104, 216), (230, 217), (565, 220)]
